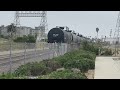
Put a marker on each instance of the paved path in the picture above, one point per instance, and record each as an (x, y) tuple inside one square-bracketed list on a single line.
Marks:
[(107, 68)]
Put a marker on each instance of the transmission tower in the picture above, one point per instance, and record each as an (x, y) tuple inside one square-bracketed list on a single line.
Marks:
[(117, 29), (110, 33), (43, 23), (116, 34), (17, 20)]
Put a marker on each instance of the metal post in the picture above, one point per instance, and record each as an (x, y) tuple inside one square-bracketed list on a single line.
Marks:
[(10, 70), (64, 49), (61, 49), (35, 50), (48, 55), (53, 49), (49, 47), (115, 49), (25, 53), (99, 51), (43, 46), (58, 53)]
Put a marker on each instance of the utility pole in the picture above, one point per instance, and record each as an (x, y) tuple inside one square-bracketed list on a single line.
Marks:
[(10, 30), (110, 33)]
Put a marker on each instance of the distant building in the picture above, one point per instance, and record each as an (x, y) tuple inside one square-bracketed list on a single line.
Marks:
[(111, 40), (23, 30), (3, 30)]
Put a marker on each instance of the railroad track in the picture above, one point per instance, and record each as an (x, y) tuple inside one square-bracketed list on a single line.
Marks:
[(5, 59), (17, 54)]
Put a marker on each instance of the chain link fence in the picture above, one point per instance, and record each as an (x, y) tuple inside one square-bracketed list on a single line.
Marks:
[(12, 55)]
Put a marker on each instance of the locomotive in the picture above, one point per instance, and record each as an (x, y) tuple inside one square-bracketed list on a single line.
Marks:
[(62, 35)]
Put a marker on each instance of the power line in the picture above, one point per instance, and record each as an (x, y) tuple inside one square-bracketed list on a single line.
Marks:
[(43, 27)]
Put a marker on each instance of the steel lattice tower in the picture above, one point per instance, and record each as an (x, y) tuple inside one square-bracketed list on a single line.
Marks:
[(117, 29), (117, 34), (17, 20), (43, 24)]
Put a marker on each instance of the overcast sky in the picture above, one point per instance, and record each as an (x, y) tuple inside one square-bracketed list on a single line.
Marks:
[(83, 22)]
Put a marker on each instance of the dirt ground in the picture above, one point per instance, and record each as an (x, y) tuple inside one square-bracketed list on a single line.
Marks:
[(90, 74)]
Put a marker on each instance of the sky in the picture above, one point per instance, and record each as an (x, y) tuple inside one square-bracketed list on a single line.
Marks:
[(83, 22)]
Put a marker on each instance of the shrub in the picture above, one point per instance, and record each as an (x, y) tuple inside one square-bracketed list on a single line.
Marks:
[(65, 74), (85, 55), (83, 64), (107, 52), (28, 39), (6, 76), (36, 69), (1, 36), (52, 64), (62, 60), (18, 39), (31, 39), (10, 76), (90, 47), (80, 59), (33, 69), (76, 55)]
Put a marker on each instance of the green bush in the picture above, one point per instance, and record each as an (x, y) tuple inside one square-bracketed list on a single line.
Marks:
[(10, 76), (88, 55), (31, 69), (65, 74), (28, 39), (107, 52), (1, 36), (37, 68), (52, 64), (19, 39), (62, 60), (31, 39), (76, 55), (90, 47), (6, 76), (83, 64), (81, 59)]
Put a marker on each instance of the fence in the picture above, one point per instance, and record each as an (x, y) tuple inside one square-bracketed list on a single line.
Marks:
[(12, 55)]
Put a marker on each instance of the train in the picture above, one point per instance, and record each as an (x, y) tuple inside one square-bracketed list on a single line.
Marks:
[(64, 35)]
